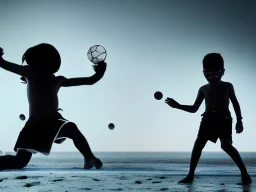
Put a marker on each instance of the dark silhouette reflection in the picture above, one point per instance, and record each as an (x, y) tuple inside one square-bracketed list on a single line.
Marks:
[(216, 121), (45, 124)]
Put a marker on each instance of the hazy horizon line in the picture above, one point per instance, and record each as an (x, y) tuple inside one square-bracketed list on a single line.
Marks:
[(138, 152)]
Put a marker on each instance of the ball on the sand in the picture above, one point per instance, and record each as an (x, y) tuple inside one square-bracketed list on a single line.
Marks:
[(22, 117), (111, 126), (158, 95)]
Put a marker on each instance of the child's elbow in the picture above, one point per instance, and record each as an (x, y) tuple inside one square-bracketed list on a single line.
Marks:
[(194, 109), (93, 81)]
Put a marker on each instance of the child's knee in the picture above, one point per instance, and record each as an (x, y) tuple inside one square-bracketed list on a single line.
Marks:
[(70, 130), (226, 144), (21, 163), (72, 125), (22, 159)]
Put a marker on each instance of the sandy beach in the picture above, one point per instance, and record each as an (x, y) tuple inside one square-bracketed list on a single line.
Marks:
[(79, 180), (62, 172)]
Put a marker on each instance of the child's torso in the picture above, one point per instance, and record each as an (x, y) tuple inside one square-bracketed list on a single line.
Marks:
[(216, 97), (42, 95)]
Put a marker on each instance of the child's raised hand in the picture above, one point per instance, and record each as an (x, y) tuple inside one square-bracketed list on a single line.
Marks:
[(239, 127), (1, 52), (100, 67), (171, 102)]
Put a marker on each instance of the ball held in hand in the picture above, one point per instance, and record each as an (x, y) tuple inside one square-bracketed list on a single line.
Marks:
[(97, 54)]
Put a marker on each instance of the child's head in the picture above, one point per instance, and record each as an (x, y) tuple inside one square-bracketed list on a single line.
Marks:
[(43, 57), (213, 65)]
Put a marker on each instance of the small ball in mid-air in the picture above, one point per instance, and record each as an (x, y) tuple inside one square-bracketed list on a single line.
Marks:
[(22, 117), (111, 126), (158, 95)]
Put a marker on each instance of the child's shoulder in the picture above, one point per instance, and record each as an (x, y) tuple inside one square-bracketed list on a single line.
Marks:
[(203, 87), (224, 83), (227, 84), (60, 79)]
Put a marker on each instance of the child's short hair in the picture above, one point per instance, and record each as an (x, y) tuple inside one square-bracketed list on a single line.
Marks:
[(43, 57), (213, 61)]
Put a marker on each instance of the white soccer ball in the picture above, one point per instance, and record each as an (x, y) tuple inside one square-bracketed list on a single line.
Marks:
[(96, 54)]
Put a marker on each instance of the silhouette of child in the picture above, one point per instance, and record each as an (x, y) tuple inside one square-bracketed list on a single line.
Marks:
[(45, 125), (216, 121)]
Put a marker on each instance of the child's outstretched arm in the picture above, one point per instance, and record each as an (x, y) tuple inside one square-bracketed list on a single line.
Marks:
[(12, 67), (232, 96), (189, 108), (100, 71)]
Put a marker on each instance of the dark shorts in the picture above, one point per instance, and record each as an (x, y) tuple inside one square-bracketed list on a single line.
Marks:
[(39, 135), (215, 125)]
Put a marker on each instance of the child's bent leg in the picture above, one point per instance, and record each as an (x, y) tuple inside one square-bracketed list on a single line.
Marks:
[(226, 145), (71, 131), (196, 154), (18, 161)]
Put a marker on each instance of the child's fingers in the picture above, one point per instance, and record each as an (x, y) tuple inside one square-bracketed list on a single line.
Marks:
[(239, 129), (102, 63), (169, 99), (167, 103)]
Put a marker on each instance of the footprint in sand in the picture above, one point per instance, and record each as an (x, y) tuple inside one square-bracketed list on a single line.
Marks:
[(31, 184), (21, 177), (138, 182), (96, 179), (123, 178), (36, 177), (1, 180), (57, 180)]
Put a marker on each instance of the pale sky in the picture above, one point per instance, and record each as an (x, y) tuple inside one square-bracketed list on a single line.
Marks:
[(152, 45)]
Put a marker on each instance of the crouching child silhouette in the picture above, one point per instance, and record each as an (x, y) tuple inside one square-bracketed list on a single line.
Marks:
[(45, 124), (216, 121)]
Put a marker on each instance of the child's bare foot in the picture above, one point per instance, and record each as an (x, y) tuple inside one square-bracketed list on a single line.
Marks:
[(246, 179), (95, 162), (188, 179)]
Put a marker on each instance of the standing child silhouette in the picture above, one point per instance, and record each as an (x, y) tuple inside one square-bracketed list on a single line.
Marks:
[(45, 125), (217, 121)]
